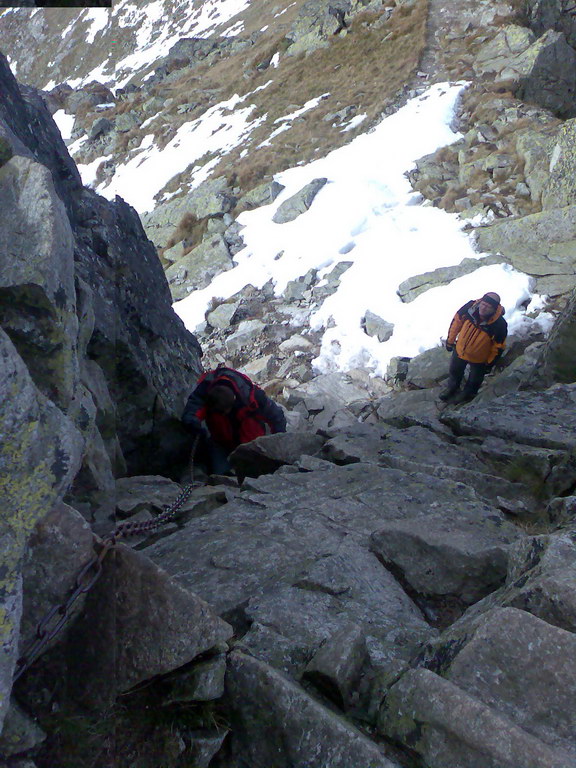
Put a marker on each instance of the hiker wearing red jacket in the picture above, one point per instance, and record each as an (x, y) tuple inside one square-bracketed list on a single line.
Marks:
[(234, 411)]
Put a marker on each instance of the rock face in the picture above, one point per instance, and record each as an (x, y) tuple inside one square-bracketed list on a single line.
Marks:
[(136, 638), (40, 454), (92, 275), (280, 725), (559, 350), (299, 203), (369, 570), (553, 14), (94, 364)]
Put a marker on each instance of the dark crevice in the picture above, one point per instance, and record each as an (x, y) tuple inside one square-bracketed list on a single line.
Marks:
[(440, 611)]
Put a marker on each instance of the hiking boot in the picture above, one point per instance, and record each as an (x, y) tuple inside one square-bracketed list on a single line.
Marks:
[(462, 397), (448, 394)]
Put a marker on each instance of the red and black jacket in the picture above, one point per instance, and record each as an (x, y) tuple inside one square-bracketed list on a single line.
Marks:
[(253, 415)]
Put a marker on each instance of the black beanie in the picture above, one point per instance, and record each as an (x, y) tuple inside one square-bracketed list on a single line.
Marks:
[(491, 301)]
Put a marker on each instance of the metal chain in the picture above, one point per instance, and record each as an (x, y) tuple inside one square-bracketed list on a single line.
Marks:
[(56, 618)]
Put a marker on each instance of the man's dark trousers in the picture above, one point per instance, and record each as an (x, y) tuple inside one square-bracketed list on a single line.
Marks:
[(456, 373)]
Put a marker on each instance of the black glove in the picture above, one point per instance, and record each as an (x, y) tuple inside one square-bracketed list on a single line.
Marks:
[(197, 429), (449, 347), (496, 363)]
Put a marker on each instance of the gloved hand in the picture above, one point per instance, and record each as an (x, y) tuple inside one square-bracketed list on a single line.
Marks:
[(197, 429), (495, 364), (449, 347)]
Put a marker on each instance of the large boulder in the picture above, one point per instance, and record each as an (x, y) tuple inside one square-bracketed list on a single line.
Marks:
[(279, 724), (465, 558), (263, 194), (414, 408), (268, 453), (88, 96), (37, 294), (137, 623), (59, 546), (543, 69), (541, 580), (376, 326), (557, 359), (541, 244), (525, 669), (27, 127), (412, 287), (551, 78), (196, 269), (534, 145), (428, 369), (542, 419), (211, 198), (450, 728), (561, 188), (40, 453), (507, 54), (553, 14), (299, 203)]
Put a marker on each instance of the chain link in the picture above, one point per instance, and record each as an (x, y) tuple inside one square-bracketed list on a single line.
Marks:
[(56, 618)]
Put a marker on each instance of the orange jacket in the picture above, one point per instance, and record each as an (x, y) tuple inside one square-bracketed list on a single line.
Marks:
[(477, 341)]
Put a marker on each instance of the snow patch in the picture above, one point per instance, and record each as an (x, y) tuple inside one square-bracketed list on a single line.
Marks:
[(99, 18), (354, 123), (65, 123), (287, 119), (218, 130), (369, 215)]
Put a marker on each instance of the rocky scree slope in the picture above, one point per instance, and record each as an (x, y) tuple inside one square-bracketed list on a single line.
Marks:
[(509, 176), (354, 71), (375, 592)]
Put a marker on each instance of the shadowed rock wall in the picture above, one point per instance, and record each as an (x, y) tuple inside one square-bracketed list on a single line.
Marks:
[(95, 366)]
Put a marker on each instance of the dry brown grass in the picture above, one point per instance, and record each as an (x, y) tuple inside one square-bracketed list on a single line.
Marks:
[(519, 14), (127, 140), (189, 228), (367, 68), (452, 194), (447, 154)]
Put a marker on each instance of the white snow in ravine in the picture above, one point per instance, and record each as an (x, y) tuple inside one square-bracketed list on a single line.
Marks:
[(65, 123), (368, 214)]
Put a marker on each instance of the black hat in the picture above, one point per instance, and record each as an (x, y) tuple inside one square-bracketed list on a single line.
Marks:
[(490, 300)]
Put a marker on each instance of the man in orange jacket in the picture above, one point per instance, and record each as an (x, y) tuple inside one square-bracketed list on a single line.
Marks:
[(476, 339)]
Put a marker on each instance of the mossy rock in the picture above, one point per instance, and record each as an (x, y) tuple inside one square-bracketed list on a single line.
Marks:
[(561, 189)]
